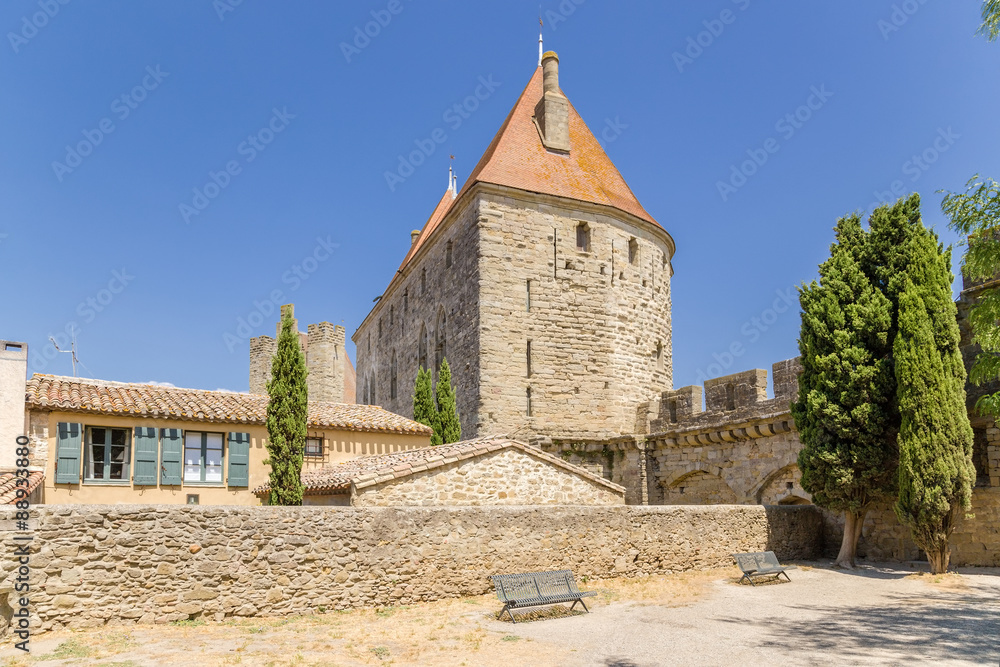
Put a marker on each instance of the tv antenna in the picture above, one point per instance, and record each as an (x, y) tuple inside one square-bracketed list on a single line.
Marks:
[(71, 352)]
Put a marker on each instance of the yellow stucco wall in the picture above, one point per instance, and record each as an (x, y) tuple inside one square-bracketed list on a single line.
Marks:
[(338, 445)]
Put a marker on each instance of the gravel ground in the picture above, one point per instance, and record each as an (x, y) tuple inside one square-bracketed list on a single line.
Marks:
[(876, 615)]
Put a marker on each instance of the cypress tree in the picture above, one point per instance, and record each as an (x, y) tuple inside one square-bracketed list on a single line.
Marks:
[(844, 408), (424, 410), (935, 438), (451, 428), (287, 414)]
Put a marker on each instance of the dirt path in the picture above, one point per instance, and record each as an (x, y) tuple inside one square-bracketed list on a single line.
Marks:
[(876, 616)]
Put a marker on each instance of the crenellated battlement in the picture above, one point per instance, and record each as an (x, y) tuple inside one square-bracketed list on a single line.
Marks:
[(730, 399)]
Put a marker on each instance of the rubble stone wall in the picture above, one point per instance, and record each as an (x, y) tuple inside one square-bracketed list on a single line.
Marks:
[(105, 564)]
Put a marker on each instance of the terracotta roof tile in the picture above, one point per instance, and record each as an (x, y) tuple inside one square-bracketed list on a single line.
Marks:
[(9, 487), (366, 471), (53, 392)]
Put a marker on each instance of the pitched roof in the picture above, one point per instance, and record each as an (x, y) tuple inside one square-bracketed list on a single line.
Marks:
[(9, 486), (367, 471), (516, 158), (53, 392)]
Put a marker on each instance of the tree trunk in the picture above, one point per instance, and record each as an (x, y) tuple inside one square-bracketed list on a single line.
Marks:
[(853, 522), (939, 557)]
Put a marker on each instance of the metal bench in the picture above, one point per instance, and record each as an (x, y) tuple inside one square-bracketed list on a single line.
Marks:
[(533, 589), (761, 564)]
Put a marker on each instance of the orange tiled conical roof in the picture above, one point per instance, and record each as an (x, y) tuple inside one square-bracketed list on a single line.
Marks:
[(516, 158)]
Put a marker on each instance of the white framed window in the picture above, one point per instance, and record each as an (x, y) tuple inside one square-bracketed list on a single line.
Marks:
[(314, 447), (107, 454), (203, 457)]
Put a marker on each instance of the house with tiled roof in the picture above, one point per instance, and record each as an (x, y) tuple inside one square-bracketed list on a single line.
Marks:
[(543, 281), (97, 441), (486, 471)]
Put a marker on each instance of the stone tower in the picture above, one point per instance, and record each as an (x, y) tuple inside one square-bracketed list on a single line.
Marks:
[(543, 281), (331, 374)]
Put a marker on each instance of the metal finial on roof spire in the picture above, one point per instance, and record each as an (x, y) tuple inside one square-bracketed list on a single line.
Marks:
[(452, 185), (539, 35)]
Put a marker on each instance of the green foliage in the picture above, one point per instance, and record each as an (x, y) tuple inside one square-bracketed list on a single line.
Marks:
[(991, 20), (451, 428), (975, 215), (844, 412), (424, 409), (935, 438), (287, 413)]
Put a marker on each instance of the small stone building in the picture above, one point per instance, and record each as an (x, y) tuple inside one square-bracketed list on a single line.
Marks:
[(489, 471)]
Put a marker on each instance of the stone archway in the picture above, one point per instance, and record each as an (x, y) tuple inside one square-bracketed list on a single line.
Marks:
[(781, 487), (698, 484)]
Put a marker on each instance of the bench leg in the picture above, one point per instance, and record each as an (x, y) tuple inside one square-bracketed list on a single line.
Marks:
[(787, 577), (506, 608), (580, 600)]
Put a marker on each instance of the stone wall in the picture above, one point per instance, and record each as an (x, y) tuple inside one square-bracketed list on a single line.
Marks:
[(432, 310), (976, 540), (152, 563), (742, 448), (507, 477)]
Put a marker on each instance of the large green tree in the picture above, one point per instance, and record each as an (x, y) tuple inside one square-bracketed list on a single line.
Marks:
[(975, 215), (287, 414), (424, 409), (844, 411), (935, 438), (451, 428)]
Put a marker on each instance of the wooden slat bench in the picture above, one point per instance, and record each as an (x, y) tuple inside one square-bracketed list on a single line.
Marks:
[(532, 589), (761, 564)]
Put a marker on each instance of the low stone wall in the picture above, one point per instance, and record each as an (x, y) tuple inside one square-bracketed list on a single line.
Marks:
[(99, 564), (975, 542)]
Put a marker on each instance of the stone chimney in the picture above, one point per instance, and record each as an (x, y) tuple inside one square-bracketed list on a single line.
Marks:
[(13, 378), (414, 235), (552, 111)]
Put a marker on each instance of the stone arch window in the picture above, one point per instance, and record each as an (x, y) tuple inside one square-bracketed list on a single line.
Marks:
[(373, 388), (527, 294), (380, 328), (633, 251), (406, 301), (673, 411), (440, 339), (423, 281), (527, 358), (659, 356), (392, 377), (422, 347), (730, 396), (392, 315), (447, 255), (527, 404), (583, 237), (369, 341)]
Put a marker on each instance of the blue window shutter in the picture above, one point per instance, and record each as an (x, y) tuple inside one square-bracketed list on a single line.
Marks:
[(146, 456), (171, 454), (68, 444), (239, 459)]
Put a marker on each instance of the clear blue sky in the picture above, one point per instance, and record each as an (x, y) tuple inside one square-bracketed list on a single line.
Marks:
[(206, 84)]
